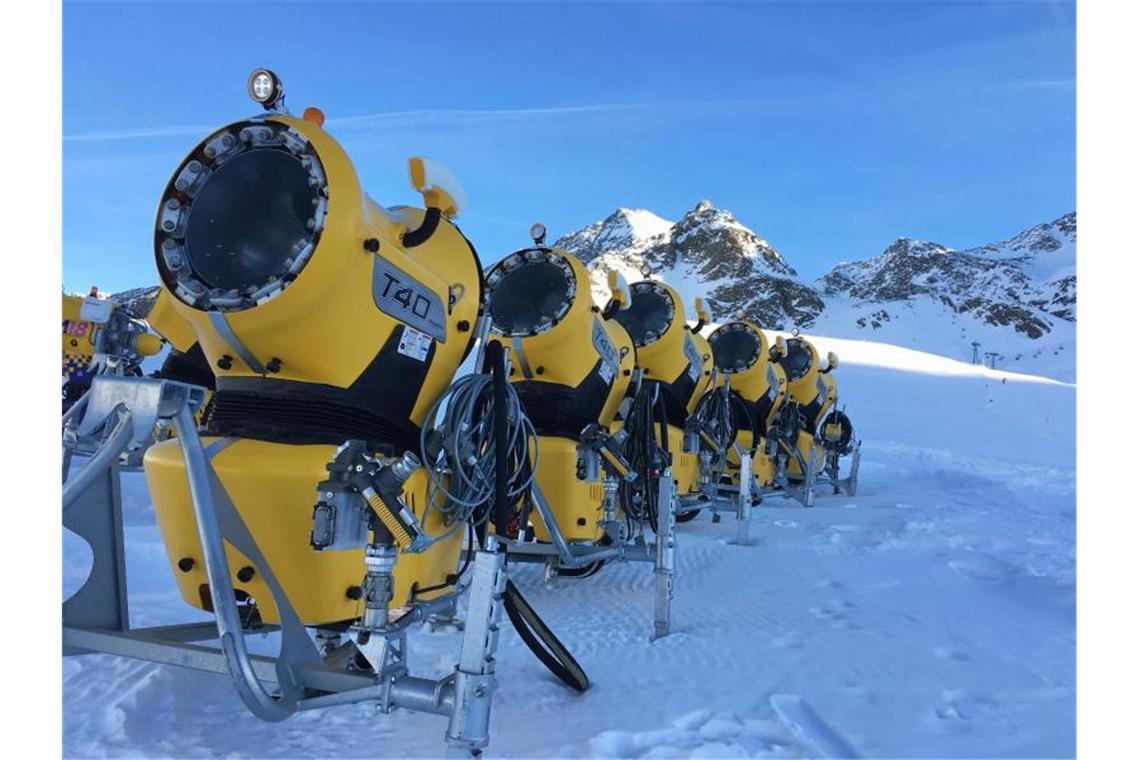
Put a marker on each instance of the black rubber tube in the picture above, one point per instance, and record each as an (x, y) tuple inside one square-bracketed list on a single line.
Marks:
[(499, 390), (663, 422), (755, 422), (427, 228), (542, 641)]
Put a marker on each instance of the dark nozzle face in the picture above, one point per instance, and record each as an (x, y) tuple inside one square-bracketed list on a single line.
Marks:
[(529, 292), (241, 217), (247, 219), (735, 348), (798, 361), (649, 315)]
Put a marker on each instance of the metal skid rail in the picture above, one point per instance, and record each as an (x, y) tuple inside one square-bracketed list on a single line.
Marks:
[(803, 492), (738, 501), (661, 551), (119, 415)]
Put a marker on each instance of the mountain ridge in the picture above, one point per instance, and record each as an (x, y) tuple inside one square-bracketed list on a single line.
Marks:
[(1017, 296)]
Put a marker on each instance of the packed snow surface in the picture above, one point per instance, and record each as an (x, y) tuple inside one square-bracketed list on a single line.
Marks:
[(931, 615)]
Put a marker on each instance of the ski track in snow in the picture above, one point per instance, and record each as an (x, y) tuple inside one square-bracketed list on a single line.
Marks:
[(931, 615)]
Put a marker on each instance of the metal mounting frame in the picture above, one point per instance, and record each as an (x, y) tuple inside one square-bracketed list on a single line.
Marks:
[(121, 412), (803, 491), (561, 553)]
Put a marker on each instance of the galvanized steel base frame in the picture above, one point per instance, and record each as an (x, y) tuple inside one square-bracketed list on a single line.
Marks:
[(114, 422), (561, 553), (803, 489), (738, 501)]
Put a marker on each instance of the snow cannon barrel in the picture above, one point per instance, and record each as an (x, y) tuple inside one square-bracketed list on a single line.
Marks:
[(801, 365), (742, 353), (570, 367), (319, 310), (669, 356), (666, 350), (811, 392), (326, 318)]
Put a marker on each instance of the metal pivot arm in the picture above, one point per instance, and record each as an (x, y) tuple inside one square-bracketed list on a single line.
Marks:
[(665, 564), (744, 500), (70, 423), (468, 730), (249, 687), (809, 478), (115, 414), (566, 555), (853, 478), (121, 435)]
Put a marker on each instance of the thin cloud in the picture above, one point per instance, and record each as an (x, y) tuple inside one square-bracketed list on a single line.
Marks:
[(396, 118), (1049, 84), (178, 130)]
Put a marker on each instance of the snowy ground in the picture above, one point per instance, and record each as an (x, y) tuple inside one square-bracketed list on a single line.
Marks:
[(932, 615)]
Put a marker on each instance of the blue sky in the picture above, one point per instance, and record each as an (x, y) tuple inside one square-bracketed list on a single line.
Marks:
[(829, 128)]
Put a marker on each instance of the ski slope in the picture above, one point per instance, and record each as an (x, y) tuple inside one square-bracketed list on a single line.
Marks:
[(932, 615)]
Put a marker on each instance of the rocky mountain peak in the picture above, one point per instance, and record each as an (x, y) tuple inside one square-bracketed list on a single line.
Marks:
[(912, 248), (1024, 283), (624, 229), (709, 249)]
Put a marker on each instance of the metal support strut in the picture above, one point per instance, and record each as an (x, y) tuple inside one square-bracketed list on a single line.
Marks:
[(744, 500), (665, 564), (121, 413), (474, 677)]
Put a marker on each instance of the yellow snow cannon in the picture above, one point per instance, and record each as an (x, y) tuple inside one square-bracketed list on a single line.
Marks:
[(672, 361), (808, 435), (754, 391), (100, 337), (339, 465), (602, 483), (571, 369), (811, 394), (834, 433), (325, 318)]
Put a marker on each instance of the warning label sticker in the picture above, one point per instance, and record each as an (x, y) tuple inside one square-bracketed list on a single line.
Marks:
[(696, 363), (605, 348), (606, 370), (414, 343)]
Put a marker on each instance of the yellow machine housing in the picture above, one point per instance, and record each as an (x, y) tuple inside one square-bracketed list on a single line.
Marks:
[(742, 354), (570, 368), (325, 317), (320, 585)]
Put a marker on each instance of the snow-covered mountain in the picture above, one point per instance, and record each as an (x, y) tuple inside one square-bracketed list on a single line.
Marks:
[(1016, 298), (707, 253)]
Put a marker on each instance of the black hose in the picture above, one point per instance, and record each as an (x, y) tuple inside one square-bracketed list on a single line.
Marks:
[(663, 423), (427, 228), (542, 641), (499, 387), (756, 424), (580, 573)]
